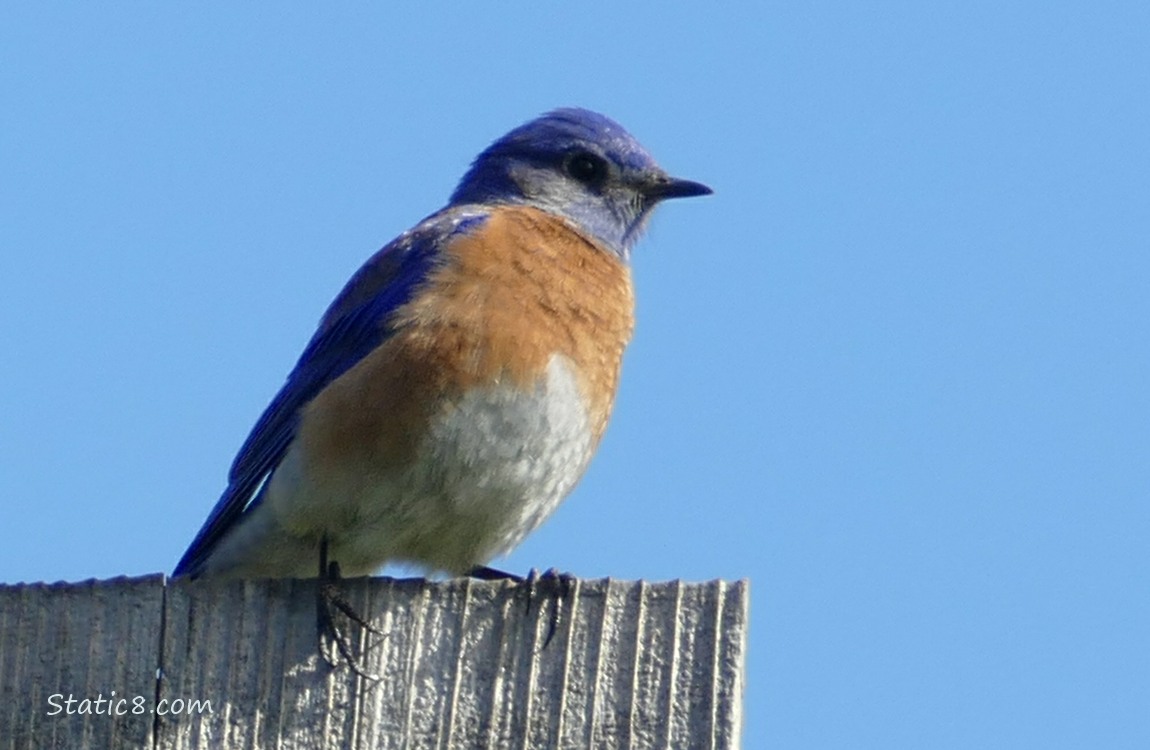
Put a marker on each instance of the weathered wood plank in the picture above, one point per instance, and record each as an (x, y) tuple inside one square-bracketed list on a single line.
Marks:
[(96, 643), (463, 664)]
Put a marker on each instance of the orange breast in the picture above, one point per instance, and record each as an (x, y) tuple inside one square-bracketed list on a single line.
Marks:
[(508, 297)]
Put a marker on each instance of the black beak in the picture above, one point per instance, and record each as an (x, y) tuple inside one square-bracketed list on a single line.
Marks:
[(663, 187)]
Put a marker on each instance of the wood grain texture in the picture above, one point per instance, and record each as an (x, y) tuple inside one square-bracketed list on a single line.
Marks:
[(464, 664), (86, 641)]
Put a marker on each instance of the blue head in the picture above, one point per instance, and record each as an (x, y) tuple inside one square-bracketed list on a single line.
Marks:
[(580, 165)]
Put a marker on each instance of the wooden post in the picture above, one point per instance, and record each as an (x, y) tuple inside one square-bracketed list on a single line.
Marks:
[(463, 664)]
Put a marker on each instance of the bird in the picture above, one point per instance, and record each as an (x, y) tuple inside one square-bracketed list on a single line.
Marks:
[(457, 387)]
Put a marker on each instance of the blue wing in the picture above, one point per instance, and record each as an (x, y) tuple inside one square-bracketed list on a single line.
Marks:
[(357, 322)]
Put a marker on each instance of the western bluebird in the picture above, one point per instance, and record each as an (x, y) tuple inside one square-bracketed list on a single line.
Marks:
[(458, 386)]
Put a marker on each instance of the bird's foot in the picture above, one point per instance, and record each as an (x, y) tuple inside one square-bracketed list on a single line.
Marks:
[(549, 585), (332, 638)]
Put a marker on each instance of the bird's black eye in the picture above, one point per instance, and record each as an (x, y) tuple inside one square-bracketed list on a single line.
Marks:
[(586, 168)]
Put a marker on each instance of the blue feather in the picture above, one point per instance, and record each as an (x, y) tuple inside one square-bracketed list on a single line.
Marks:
[(359, 319)]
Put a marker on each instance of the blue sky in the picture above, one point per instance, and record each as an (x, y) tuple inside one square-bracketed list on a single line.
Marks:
[(894, 371)]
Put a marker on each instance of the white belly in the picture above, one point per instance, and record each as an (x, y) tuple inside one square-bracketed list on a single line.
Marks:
[(492, 466)]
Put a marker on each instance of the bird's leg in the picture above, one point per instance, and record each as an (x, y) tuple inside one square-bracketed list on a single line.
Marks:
[(328, 599), (484, 573), (558, 585)]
